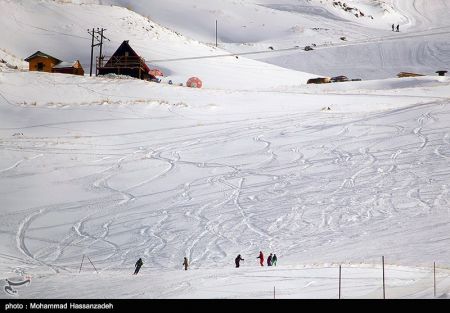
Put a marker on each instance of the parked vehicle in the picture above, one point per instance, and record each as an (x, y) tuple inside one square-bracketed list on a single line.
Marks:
[(341, 78)]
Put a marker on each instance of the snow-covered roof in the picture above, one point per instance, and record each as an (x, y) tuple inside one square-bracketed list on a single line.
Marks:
[(65, 64)]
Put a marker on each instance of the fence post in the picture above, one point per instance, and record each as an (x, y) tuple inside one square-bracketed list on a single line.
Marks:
[(92, 264), (81, 264), (384, 288), (273, 292), (339, 281), (434, 278)]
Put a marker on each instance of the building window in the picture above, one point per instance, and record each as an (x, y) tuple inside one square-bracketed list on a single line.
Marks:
[(40, 66)]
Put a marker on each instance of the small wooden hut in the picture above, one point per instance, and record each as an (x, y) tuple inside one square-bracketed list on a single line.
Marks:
[(74, 68), (42, 62)]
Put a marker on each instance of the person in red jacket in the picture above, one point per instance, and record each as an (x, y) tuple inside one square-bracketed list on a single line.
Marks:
[(261, 258)]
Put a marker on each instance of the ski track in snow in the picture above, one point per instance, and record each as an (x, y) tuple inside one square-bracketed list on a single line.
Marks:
[(251, 182), (15, 165)]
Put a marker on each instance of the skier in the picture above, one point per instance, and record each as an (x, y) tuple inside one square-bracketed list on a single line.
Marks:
[(238, 259), (398, 27), (274, 260), (185, 263), (269, 260), (261, 258), (393, 27), (138, 265)]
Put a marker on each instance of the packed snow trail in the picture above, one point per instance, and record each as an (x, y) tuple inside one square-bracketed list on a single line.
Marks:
[(318, 281)]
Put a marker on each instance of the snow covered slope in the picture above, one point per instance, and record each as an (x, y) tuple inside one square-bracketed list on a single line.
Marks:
[(124, 169), (253, 21), (370, 50)]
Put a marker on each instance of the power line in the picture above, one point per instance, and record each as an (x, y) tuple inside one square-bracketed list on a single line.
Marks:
[(224, 55), (94, 34)]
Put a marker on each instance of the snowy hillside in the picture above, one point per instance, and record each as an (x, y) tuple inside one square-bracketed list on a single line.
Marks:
[(61, 30), (370, 50), (105, 170)]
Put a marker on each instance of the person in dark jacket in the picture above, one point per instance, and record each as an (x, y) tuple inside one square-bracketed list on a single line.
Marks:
[(185, 263), (269, 260), (393, 27), (274, 260), (238, 259), (138, 265), (398, 27), (261, 258)]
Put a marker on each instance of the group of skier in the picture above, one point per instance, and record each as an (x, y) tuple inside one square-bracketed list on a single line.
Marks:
[(271, 261), (397, 29)]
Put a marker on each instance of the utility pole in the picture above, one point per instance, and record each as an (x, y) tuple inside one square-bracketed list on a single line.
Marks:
[(93, 33), (92, 50), (216, 33), (100, 58)]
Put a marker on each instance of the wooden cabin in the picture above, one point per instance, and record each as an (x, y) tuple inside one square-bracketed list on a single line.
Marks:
[(74, 68), (319, 80), (125, 61), (42, 62), (407, 74)]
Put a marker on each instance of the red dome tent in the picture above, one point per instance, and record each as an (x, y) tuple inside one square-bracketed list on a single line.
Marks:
[(194, 82)]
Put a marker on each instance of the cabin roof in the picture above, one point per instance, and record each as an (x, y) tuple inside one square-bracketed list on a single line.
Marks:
[(125, 47), (43, 55)]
